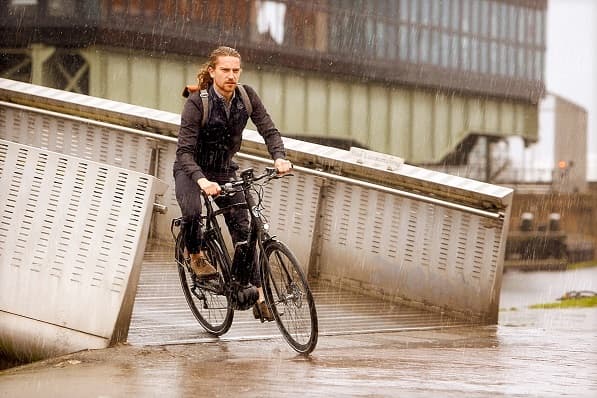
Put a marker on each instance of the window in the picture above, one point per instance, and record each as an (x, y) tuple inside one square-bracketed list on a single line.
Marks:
[(484, 18), (413, 44), (425, 12), (495, 17), (455, 18), (403, 11), (403, 49), (503, 21), (484, 56), (435, 13), (391, 30), (522, 24), (454, 51), (520, 67), (466, 17), (539, 27), (380, 39), (414, 8), (435, 47), (538, 65), (465, 49), (445, 13), (62, 8), (475, 17), (424, 46), (392, 42), (511, 61), (502, 59), (493, 57), (475, 55), (530, 66), (445, 50), (512, 21)]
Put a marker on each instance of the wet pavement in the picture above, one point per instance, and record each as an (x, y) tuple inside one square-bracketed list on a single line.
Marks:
[(531, 353)]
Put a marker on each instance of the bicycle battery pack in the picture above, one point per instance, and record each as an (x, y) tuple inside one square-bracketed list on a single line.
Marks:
[(242, 264)]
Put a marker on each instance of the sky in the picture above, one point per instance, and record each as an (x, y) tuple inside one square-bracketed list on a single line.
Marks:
[(571, 65)]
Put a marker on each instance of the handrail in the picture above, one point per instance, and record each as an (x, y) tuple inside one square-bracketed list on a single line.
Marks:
[(363, 184), (493, 215), (124, 129)]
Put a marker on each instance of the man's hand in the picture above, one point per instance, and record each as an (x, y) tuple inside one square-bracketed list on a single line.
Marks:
[(209, 187), (282, 166)]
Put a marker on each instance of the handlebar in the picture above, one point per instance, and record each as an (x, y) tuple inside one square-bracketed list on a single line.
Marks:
[(247, 177)]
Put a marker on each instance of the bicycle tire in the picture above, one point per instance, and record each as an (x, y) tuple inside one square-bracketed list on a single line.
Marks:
[(209, 305), (289, 297)]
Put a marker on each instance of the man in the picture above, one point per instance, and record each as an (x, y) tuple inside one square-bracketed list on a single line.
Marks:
[(205, 151)]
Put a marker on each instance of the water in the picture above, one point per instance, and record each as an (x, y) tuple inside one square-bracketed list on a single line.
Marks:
[(523, 289)]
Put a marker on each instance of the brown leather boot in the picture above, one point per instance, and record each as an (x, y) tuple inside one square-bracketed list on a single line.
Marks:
[(261, 311), (202, 267)]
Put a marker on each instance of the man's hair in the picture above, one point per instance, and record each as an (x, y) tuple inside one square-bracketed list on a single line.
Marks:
[(203, 76)]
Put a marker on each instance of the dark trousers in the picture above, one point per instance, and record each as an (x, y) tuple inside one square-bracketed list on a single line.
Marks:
[(188, 195)]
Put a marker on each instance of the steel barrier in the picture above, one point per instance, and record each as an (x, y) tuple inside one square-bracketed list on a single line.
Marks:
[(72, 238), (361, 219)]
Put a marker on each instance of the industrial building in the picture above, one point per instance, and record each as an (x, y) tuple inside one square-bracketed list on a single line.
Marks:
[(424, 80)]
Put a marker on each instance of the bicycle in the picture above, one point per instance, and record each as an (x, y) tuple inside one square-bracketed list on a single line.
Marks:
[(287, 292)]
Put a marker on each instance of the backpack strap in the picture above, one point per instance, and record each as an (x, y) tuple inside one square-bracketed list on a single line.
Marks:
[(203, 94), (188, 90), (245, 97)]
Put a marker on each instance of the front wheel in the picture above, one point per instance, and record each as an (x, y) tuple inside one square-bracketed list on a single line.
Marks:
[(289, 297)]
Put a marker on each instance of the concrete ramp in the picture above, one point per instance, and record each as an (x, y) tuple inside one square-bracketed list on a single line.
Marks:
[(72, 237)]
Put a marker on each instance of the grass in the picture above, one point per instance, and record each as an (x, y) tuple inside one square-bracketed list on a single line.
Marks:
[(583, 302)]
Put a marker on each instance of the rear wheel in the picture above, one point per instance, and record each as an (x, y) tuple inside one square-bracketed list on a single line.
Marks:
[(289, 297), (207, 299)]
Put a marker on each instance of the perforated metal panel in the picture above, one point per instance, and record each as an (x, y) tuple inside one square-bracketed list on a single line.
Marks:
[(76, 137), (404, 249), (72, 235), (290, 207)]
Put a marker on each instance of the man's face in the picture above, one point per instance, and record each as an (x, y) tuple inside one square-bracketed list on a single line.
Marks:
[(226, 74)]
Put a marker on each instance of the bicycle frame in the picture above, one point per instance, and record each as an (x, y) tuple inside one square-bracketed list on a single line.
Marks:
[(259, 236), (258, 230)]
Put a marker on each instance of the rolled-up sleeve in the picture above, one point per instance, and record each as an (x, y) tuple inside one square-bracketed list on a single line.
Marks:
[(190, 121)]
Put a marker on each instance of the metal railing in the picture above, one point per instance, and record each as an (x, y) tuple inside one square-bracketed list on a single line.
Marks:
[(358, 219), (71, 245)]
